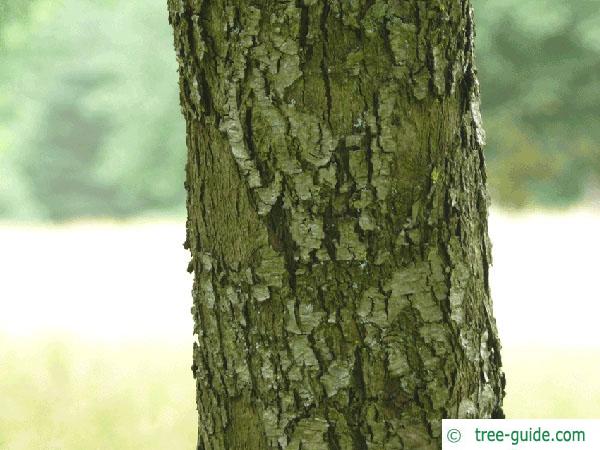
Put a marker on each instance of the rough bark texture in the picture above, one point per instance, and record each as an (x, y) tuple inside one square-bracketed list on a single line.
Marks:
[(337, 221)]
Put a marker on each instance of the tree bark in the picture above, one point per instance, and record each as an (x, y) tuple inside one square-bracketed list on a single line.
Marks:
[(337, 221)]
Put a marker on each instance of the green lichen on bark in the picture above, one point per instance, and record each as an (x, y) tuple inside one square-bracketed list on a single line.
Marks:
[(337, 221)]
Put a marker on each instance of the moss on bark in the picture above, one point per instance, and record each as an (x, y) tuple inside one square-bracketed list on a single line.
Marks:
[(337, 221)]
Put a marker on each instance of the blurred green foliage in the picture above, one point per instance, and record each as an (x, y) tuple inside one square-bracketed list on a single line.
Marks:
[(90, 122), (539, 67)]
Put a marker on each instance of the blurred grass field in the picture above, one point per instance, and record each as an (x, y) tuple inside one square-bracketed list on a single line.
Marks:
[(96, 336), (551, 383), (60, 394)]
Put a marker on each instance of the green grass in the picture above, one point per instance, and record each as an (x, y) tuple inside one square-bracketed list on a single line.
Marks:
[(552, 383), (61, 394)]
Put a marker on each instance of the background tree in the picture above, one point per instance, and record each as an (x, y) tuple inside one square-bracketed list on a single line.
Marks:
[(88, 112), (106, 66), (337, 221), (541, 75)]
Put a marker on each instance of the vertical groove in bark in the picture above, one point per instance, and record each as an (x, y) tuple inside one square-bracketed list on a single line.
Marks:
[(337, 221)]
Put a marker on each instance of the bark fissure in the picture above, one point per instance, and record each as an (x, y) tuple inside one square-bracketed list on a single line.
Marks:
[(324, 62), (337, 223)]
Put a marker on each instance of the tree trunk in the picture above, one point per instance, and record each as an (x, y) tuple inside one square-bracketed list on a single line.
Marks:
[(337, 221)]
